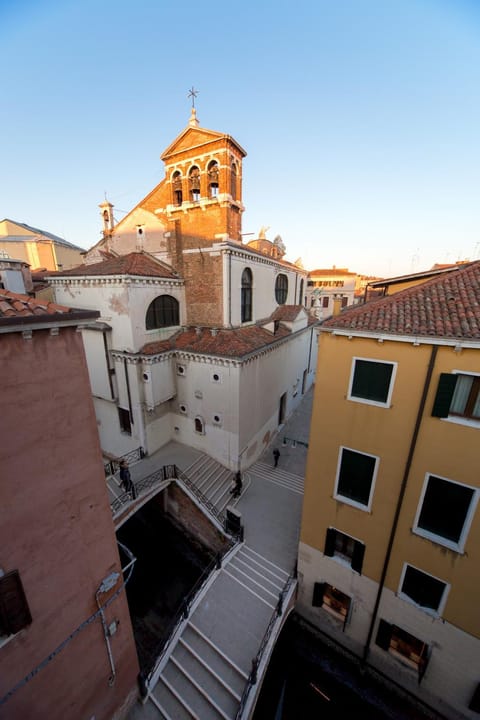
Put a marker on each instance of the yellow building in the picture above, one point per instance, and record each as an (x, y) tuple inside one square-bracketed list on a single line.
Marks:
[(389, 554), (38, 248)]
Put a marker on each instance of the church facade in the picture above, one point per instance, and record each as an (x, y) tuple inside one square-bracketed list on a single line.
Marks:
[(202, 338)]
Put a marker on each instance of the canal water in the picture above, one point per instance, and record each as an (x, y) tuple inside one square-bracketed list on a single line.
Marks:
[(307, 679)]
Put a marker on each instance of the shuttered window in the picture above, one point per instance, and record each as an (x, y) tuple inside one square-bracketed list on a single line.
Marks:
[(371, 381), (457, 394), (403, 645), (338, 544), (14, 610)]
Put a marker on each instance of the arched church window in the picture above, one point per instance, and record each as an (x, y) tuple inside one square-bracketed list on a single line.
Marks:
[(194, 178), (300, 294), (212, 172), (281, 289), (246, 299), (233, 181), (177, 188), (162, 312)]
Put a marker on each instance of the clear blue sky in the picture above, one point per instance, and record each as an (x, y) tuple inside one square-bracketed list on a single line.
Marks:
[(361, 118)]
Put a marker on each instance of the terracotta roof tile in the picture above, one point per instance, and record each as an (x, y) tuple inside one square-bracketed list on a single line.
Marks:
[(236, 342), (136, 263), (287, 313), (16, 305), (446, 306)]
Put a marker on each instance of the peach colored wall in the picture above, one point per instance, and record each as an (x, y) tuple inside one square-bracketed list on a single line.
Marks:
[(57, 530)]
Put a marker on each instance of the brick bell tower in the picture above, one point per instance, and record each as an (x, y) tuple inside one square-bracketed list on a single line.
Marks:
[(203, 178), (201, 200)]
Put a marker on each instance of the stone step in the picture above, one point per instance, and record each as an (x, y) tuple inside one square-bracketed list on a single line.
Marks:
[(257, 576)]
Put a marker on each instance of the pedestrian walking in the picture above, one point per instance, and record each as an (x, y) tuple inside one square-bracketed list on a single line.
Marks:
[(237, 487), (126, 479), (276, 455)]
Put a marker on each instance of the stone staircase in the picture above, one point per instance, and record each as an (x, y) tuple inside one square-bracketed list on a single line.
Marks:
[(207, 669), (213, 480)]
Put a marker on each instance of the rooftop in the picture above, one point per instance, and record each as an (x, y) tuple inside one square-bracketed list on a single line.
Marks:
[(446, 306), (141, 264), (234, 343), (36, 231), (15, 308)]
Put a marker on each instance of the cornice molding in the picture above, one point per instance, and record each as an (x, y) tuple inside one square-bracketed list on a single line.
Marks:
[(117, 280)]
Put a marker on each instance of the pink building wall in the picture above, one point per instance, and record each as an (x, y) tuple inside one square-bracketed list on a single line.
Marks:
[(56, 528)]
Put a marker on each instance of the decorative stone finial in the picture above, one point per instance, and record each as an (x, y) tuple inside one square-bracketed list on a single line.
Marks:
[(193, 122)]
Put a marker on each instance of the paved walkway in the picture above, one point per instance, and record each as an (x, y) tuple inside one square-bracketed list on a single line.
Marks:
[(207, 668)]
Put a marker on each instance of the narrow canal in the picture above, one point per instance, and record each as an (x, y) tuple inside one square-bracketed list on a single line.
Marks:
[(307, 679)]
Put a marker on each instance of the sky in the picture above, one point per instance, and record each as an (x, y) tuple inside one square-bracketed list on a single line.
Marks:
[(360, 118)]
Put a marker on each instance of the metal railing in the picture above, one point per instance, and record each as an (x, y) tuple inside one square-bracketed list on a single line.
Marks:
[(157, 654), (172, 472), (164, 473), (252, 678), (133, 456)]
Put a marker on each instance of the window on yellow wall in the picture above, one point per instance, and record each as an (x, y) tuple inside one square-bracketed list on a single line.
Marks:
[(445, 511), (371, 381), (458, 395), (355, 480)]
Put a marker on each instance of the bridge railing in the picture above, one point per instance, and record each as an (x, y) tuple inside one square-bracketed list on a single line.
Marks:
[(253, 677), (158, 652), (113, 463)]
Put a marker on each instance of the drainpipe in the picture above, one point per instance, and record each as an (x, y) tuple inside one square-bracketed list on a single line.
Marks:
[(408, 464), (229, 289), (127, 381)]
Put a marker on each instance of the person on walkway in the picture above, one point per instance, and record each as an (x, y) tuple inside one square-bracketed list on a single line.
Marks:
[(126, 479), (237, 488), (276, 455)]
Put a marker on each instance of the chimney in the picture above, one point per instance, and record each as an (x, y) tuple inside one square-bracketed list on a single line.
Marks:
[(107, 217), (337, 304), (140, 237)]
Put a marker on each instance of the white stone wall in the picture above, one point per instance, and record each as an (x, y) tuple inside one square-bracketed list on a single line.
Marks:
[(264, 273)]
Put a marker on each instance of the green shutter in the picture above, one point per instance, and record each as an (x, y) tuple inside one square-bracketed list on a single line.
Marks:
[(384, 635), (14, 611), (330, 542), (357, 556), (318, 593), (443, 398)]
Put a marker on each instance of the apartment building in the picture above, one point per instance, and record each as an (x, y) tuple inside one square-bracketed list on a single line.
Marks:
[(390, 537)]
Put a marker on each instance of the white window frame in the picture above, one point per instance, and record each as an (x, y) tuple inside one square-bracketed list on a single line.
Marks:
[(347, 500), (430, 611), (458, 547), (366, 401), (458, 419)]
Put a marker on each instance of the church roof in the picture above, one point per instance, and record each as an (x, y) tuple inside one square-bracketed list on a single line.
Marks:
[(446, 306), (195, 136), (16, 233), (232, 343), (141, 264)]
